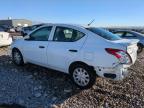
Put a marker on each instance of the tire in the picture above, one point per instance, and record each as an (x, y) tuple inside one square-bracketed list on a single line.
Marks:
[(17, 57), (140, 48), (83, 76)]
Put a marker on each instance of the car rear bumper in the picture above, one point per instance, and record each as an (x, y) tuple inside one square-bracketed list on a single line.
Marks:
[(115, 73)]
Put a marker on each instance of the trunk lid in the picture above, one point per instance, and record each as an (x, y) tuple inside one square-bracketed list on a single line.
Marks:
[(127, 42), (131, 47)]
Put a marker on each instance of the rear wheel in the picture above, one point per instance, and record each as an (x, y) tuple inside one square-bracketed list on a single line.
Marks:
[(17, 57), (83, 76), (140, 48)]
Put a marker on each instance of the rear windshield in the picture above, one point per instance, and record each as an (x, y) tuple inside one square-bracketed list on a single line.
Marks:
[(104, 33)]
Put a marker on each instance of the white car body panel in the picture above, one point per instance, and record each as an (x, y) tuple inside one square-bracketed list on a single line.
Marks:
[(90, 50), (5, 39), (32, 52)]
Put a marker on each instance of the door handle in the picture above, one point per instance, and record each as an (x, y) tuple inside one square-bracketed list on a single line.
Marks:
[(41, 47), (72, 50)]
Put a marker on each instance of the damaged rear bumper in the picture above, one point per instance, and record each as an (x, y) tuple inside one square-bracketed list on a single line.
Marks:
[(115, 73)]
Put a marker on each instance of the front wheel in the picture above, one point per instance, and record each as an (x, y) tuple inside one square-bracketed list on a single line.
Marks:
[(17, 57), (83, 76)]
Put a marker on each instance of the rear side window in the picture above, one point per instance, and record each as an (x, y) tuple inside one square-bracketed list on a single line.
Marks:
[(64, 34), (41, 34), (104, 33)]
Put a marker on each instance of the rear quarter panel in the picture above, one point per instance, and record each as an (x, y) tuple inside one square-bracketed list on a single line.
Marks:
[(93, 52)]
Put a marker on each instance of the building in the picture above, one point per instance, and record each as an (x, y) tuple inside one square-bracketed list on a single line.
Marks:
[(15, 22)]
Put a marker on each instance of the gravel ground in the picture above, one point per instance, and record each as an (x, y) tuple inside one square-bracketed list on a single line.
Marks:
[(37, 87)]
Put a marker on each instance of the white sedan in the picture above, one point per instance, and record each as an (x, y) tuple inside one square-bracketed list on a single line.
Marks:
[(5, 39), (83, 52)]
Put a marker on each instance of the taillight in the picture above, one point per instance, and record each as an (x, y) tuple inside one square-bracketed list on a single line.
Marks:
[(121, 55)]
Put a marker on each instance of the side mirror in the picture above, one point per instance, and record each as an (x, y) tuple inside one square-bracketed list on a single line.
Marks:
[(27, 37)]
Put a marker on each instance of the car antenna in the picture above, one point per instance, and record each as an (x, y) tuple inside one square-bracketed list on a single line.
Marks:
[(91, 22)]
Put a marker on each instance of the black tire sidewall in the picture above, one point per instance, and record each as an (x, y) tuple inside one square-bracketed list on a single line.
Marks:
[(91, 72), (21, 61)]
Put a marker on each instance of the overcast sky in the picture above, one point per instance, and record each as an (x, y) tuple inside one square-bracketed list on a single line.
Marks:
[(105, 12)]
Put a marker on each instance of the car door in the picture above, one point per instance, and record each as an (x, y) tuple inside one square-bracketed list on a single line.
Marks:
[(64, 47), (35, 47)]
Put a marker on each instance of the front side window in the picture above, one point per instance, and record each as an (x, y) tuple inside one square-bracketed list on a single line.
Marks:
[(41, 34), (104, 33), (64, 34)]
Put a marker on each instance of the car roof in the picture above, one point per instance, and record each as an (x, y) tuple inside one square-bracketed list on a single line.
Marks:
[(64, 24)]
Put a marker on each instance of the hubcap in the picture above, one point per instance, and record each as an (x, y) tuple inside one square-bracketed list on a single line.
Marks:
[(17, 57), (81, 76)]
